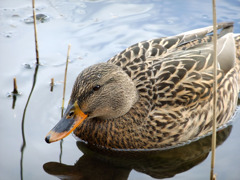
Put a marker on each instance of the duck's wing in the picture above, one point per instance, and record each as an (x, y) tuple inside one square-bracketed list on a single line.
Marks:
[(184, 74), (161, 48), (178, 70), (183, 80)]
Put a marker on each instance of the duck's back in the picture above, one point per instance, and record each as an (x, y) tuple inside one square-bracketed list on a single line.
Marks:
[(175, 75)]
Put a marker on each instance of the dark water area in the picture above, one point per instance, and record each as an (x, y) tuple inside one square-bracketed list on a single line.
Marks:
[(96, 30)]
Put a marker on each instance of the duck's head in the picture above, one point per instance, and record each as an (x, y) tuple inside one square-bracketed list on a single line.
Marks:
[(104, 91)]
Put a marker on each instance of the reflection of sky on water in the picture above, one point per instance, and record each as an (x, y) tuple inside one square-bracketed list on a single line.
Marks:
[(97, 30)]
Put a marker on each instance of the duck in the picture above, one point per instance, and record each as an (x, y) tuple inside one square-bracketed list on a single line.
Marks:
[(155, 94)]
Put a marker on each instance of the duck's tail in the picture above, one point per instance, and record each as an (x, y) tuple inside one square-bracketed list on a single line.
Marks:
[(237, 44), (237, 41)]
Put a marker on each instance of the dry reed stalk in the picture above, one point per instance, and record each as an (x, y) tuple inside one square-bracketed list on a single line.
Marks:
[(64, 89), (65, 75), (14, 92), (15, 89), (52, 84), (35, 31), (212, 175)]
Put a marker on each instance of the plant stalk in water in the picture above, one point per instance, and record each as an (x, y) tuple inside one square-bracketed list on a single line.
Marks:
[(65, 75), (212, 175), (23, 121), (14, 92), (64, 90), (35, 31), (52, 84), (15, 89)]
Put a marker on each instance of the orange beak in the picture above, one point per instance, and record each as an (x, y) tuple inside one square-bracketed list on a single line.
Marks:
[(72, 118)]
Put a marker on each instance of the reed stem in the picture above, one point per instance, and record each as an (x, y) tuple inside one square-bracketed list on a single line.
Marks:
[(212, 175), (65, 75), (64, 89), (15, 89), (35, 32), (52, 84)]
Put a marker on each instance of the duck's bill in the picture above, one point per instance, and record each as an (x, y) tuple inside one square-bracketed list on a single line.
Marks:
[(72, 118)]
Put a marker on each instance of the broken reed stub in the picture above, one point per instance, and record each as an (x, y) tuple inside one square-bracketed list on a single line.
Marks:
[(15, 90), (52, 84)]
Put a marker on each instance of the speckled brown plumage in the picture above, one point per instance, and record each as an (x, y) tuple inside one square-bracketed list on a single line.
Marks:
[(174, 80)]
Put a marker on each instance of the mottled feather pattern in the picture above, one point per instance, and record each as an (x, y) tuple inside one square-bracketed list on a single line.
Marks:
[(174, 79)]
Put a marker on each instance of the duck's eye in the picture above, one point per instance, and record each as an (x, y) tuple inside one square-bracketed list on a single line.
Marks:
[(96, 88), (71, 113)]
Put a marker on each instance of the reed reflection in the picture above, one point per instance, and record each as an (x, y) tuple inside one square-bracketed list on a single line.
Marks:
[(23, 120), (105, 164)]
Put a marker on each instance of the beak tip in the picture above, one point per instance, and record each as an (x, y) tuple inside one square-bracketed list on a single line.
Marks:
[(47, 139)]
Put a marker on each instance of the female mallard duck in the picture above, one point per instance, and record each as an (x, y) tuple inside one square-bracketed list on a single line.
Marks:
[(154, 94)]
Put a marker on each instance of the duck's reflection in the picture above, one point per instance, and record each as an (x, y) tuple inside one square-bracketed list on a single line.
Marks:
[(102, 164)]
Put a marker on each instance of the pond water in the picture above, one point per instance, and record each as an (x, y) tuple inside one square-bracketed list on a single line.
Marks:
[(96, 30)]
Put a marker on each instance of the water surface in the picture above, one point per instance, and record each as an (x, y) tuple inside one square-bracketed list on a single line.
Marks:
[(97, 30)]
